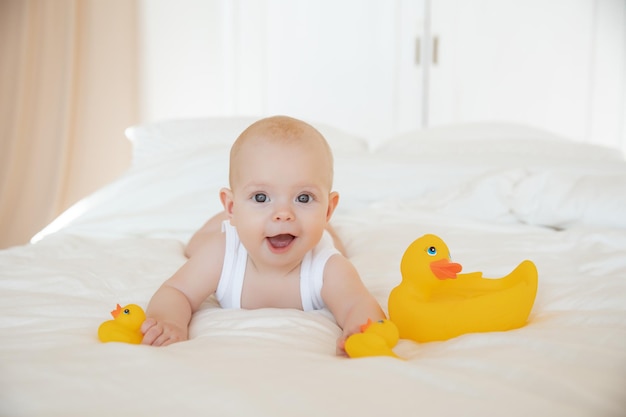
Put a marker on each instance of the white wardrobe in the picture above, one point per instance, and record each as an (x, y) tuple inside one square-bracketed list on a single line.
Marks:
[(382, 67)]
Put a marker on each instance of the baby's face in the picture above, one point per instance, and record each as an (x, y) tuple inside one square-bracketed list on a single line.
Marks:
[(281, 200)]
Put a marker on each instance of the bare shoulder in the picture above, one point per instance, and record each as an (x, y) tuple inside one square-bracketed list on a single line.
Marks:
[(346, 296), (199, 276), (339, 266), (208, 255), (211, 247), (341, 278), (206, 232)]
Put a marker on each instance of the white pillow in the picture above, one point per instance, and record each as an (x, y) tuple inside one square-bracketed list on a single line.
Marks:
[(500, 144), (153, 141), (560, 200)]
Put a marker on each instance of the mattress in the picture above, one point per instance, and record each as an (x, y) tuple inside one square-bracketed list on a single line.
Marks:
[(496, 193)]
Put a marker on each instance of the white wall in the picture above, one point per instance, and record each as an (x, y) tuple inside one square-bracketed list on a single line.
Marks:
[(351, 63), (607, 124), (241, 57), (182, 59)]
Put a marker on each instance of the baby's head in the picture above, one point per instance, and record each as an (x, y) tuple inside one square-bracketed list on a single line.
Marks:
[(280, 198), (285, 132)]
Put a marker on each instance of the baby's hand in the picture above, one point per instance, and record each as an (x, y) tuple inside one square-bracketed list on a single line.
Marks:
[(341, 346), (341, 341), (161, 333)]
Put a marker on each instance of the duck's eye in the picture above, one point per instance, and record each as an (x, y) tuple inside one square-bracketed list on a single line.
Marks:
[(432, 251), (126, 311)]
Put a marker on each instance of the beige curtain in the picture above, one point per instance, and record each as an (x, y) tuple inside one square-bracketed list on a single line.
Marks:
[(68, 83)]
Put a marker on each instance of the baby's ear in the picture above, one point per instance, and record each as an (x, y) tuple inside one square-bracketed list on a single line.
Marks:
[(333, 200), (226, 197)]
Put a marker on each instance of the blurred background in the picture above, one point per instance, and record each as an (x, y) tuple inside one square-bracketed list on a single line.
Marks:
[(75, 73)]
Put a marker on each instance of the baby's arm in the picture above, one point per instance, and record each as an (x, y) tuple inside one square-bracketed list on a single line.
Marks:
[(347, 298), (170, 309)]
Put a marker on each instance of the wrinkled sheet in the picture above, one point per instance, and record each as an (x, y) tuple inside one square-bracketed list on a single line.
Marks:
[(557, 203)]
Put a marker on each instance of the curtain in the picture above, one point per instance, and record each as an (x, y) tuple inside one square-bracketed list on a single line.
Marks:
[(69, 89)]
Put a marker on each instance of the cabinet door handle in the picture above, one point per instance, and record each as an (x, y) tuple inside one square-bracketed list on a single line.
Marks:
[(418, 51)]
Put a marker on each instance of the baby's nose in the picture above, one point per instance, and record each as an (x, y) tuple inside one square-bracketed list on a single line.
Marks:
[(283, 214)]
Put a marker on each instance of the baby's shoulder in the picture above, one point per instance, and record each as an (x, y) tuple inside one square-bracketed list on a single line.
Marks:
[(339, 266), (211, 248)]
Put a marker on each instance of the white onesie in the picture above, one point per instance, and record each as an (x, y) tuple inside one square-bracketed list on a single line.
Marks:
[(311, 271)]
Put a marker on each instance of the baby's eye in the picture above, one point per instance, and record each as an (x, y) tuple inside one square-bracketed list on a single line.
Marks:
[(304, 198), (260, 198)]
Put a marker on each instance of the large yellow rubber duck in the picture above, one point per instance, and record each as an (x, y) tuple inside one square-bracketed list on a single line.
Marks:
[(125, 326), (435, 302), (376, 339)]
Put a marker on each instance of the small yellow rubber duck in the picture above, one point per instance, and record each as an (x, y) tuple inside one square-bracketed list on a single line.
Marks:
[(125, 326), (376, 339), (435, 302)]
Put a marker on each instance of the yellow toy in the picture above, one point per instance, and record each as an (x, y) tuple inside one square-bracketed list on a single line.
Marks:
[(435, 302), (125, 327), (376, 339)]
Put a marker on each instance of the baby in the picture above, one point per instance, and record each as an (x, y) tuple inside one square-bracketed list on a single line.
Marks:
[(272, 246)]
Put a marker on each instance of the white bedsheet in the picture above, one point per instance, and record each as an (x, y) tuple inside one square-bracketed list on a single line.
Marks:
[(497, 194)]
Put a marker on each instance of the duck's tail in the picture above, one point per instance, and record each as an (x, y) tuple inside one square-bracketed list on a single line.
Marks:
[(526, 271)]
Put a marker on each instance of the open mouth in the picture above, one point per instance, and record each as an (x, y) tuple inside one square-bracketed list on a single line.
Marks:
[(280, 243)]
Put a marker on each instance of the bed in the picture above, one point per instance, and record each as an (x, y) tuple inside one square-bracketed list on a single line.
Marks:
[(496, 193)]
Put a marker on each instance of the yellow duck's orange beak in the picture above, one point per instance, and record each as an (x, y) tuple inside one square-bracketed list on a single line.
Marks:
[(444, 269), (117, 311), (365, 326)]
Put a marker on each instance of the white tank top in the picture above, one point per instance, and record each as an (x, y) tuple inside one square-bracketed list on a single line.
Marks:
[(311, 271)]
